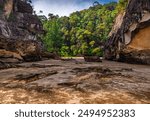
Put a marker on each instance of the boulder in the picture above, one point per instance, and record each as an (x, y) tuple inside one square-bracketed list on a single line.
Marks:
[(129, 39), (92, 59), (47, 55)]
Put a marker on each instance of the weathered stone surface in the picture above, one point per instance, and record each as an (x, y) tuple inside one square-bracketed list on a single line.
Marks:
[(20, 7), (92, 59), (48, 55), (129, 39), (19, 30), (8, 54), (56, 81), (10, 58)]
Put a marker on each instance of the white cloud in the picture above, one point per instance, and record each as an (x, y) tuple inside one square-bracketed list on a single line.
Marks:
[(63, 7), (60, 7)]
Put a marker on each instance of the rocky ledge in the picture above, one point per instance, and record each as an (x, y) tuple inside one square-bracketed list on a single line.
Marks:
[(19, 31), (129, 39), (75, 81)]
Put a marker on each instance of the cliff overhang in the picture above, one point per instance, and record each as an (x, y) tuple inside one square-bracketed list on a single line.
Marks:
[(19, 31), (129, 39)]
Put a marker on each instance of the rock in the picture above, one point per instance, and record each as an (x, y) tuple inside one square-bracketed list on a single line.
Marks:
[(9, 57), (92, 59), (34, 76), (48, 55), (19, 30), (129, 38), (20, 7), (9, 60), (9, 54)]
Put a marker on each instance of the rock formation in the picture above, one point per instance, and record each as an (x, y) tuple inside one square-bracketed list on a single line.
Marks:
[(19, 30), (129, 39)]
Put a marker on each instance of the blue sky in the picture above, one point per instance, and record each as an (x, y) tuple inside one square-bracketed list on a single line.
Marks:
[(63, 7)]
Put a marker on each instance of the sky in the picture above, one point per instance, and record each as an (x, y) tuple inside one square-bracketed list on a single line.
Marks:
[(63, 7)]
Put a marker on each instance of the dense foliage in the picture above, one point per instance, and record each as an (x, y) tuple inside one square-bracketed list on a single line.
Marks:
[(83, 32)]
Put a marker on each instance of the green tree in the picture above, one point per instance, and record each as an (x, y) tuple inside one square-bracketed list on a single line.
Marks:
[(52, 39)]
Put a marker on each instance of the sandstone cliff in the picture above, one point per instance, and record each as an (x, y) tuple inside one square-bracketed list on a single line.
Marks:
[(129, 39), (19, 30)]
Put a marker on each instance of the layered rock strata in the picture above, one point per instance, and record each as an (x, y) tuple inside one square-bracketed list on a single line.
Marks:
[(129, 39), (19, 31)]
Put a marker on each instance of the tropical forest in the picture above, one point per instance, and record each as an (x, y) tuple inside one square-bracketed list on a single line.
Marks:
[(83, 32)]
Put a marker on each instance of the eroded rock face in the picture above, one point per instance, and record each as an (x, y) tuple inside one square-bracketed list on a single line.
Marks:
[(129, 40), (19, 30)]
